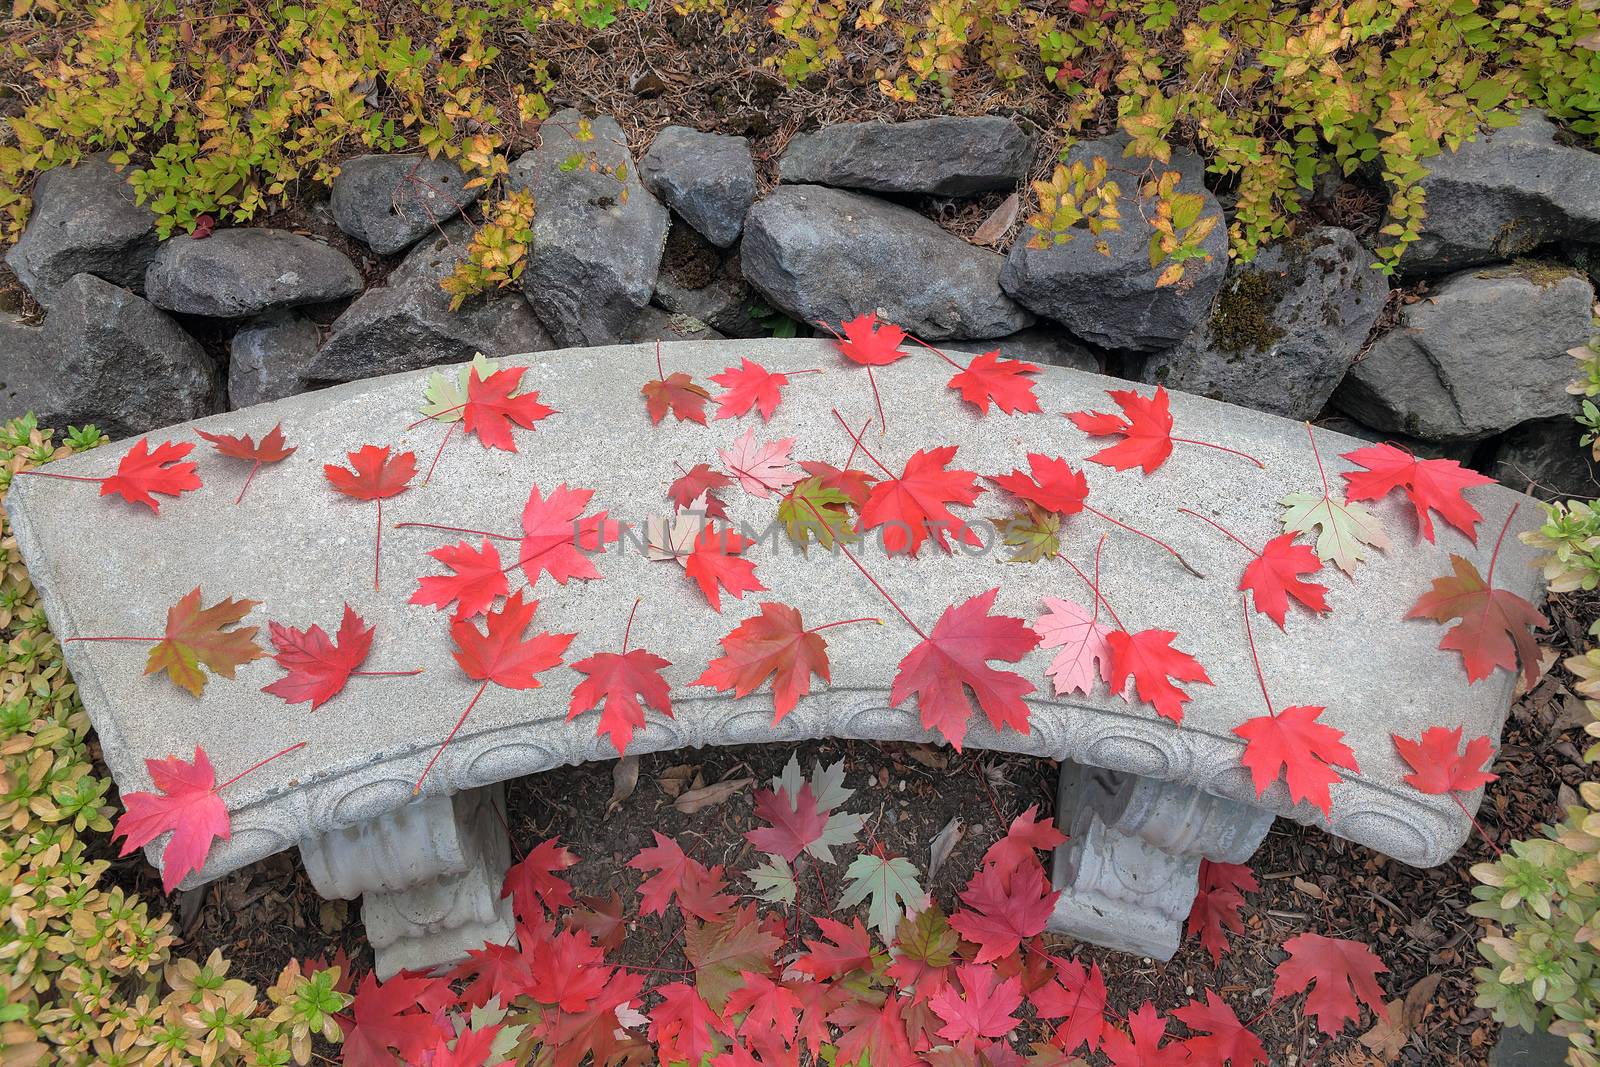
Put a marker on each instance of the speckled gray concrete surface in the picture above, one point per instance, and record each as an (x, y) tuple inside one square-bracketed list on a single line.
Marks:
[(104, 567)]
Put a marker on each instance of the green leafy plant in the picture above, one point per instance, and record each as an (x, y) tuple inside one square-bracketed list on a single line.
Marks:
[(1076, 197)]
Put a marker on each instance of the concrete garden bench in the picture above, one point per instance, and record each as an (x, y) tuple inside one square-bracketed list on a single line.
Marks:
[(1143, 798)]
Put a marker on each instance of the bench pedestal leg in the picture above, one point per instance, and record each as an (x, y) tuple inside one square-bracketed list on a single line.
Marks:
[(1128, 873), (428, 875)]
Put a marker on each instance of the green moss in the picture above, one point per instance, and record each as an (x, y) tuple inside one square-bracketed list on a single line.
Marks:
[(1540, 272), (1243, 319)]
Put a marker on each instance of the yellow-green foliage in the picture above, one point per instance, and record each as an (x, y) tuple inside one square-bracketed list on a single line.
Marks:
[(88, 973), (1079, 197)]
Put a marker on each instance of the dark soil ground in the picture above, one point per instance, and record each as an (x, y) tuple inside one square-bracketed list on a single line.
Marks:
[(1415, 920)]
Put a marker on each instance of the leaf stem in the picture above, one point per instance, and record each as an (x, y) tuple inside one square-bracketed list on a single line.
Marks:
[(377, 546), (141, 639), (453, 529), (1148, 537), (1095, 586), (258, 764), (1316, 454), (439, 452), (437, 415), (1220, 448), (63, 477), (936, 352), (1476, 824), (628, 629), (843, 622), (861, 445), (1249, 635), (1494, 557), (661, 375), (871, 380), (247, 480), (385, 674), (865, 573), (449, 737), (1229, 534)]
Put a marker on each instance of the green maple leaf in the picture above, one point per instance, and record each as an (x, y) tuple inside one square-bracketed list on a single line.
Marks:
[(447, 394), (774, 881), (926, 937), (1345, 530), (889, 886), (1035, 536), (720, 951), (828, 791), (811, 510)]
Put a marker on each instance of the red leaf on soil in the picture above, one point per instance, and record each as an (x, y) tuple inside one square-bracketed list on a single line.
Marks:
[(1003, 382), (1079, 999), (1150, 660), (1053, 484), (878, 1033), (317, 667), (1274, 576), (142, 472), (999, 915), (697, 888), (567, 970), (374, 473), (985, 1008), (616, 681), (699, 479), (1027, 835), (1496, 625), (478, 579), (795, 824), (496, 970), (913, 506), (869, 342), (953, 659), (533, 886), (1145, 427), (499, 653), (749, 385), (771, 1013), (186, 803), (572, 1037), (1437, 764), (776, 644), (1224, 1040), (856, 485), (1430, 484), (1303, 750), (715, 562), (851, 949), (1342, 972), (677, 393), (1141, 1046), (490, 409), (391, 1016), (683, 1025), (549, 543), (1217, 902)]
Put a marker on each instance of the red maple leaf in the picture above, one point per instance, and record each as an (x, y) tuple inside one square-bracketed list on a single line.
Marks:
[(1342, 971), (854, 484), (983, 1008), (186, 803), (697, 480), (492, 971), (851, 949), (1224, 1040), (1496, 625), (875, 1032), (1053, 484), (568, 970), (1274, 576), (317, 667), (913, 507), (616, 682), (1142, 1045), (796, 822), (1027, 835), (142, 472), (471, 1048), (774, 643), (556, 541), (602, 917), (771, 1013), (478, 579), (1292, 742), (491, 410), (715, 562), (374, 473), (762, 468), (1078, 998), (1437, 764), (954, 658), (677, 393), (1003, 382), (1217, 902), (1430, 484), (870, 342), (271, 450), (391, 1016), (749, 385), (697, 888), (683, 1025), (532, 884), (573, 1037), (1150, 660), (999, 916), (1145, 427)]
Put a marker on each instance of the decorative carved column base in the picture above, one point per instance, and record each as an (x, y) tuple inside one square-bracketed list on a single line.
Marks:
[(428, 875), (1129, 871)]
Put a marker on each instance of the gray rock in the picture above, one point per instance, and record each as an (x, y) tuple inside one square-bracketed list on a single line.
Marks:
[(239, 272), (391, 201), (705, 283), (268, 358), (1486, 351), (407, 323), (1503, 195), (825, 255), (1546, 453), (707, 178), (654, 324), (1285, 329), (1045, 343), (946, 156), (84, 221), (105, 356), (1111, 299), (597, 238), (1520, 1048)]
